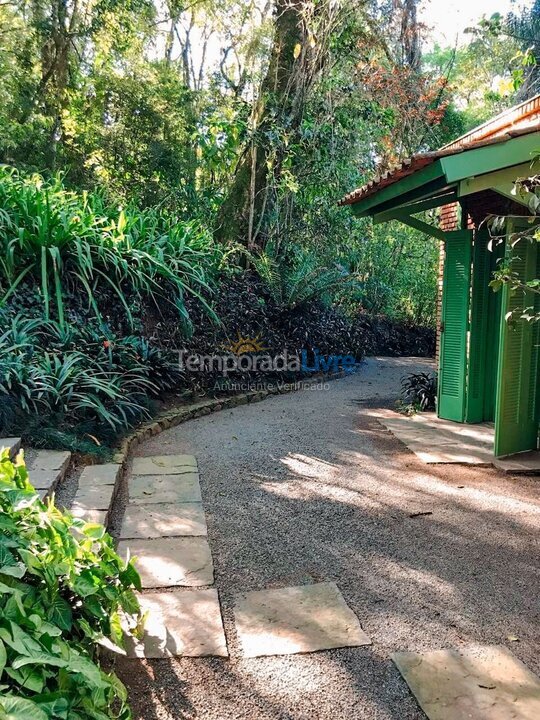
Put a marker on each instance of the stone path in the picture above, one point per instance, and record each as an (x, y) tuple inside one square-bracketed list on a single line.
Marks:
[(300, 619), (13, 444), (183, 622), (47, 468), (164, 524), (97, 485), (435, 441), (487, 683), (164, 528)]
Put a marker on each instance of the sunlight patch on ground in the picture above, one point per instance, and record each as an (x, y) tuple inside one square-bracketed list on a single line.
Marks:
[(428, 583), (309, 466)]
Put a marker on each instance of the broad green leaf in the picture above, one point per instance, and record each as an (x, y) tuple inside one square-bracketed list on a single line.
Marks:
[(116, 630), (94, 530), (59, 613), (21, 709), (56, 704), (17, 571), (130, 576), (19, 640), (7, 559), (39, 659), (31, 561), (28, 678), (79, 664), (3, 657), (85, 584)]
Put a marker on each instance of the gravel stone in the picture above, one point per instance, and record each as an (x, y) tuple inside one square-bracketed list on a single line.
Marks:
[(309, 487)]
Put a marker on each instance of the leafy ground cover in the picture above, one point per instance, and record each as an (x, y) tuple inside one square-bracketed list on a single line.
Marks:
[(96, 303), (62, 589)]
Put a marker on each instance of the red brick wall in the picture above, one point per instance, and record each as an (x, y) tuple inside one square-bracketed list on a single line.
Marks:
[(478, 206)]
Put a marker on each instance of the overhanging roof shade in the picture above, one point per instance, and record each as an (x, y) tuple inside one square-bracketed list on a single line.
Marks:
[(432, 179), (436, 176)]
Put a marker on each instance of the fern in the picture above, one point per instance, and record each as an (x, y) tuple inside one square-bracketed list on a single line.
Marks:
[(293, 282)]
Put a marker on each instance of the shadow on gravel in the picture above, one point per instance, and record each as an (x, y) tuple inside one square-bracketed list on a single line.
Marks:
[(354, 510)]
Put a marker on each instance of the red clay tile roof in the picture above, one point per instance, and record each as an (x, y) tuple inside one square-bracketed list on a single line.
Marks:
[(519, 120)]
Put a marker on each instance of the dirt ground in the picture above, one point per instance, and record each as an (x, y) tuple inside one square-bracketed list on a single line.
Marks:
[(309, 487)]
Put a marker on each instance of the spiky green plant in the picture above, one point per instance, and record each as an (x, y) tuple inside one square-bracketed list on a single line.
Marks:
[(77, 376), (294, 281), (65, 240)]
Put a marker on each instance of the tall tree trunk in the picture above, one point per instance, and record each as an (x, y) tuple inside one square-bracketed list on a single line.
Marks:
[(294, 63), (410, 35)]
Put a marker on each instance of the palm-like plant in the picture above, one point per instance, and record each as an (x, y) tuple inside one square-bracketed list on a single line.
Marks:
[(292, 282)]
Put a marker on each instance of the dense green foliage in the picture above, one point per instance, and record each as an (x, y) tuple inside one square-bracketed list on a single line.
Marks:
[(174, 106), (67, 242), (77, 376), (62, 589), (157, 155)]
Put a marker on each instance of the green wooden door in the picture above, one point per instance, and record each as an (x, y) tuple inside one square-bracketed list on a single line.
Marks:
[(478, 337), (493, 336), (516, 415), (454, 325)]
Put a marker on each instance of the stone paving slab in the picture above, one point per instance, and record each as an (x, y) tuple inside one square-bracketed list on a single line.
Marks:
[(296, 620), (145, 489), (153, 521), (434, 440), (13, 444), (451, 454), (487, 683), (185, 622), (164, 465), (44, 479), (49, 460), (105, 474), (91, 515), (171, 562), (47, 468), (527, 462), (95, 498)]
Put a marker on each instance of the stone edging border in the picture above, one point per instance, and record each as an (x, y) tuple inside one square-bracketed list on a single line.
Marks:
[(177, 416)]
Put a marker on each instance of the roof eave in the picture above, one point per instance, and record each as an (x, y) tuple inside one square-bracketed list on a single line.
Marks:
[(411, 187), (448, 171)]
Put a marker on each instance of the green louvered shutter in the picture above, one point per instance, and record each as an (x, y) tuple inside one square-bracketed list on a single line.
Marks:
[(476, 382), (454, 325), (517, 410)]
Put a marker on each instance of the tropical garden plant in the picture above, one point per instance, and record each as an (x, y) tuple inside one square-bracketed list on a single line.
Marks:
[(65, 240), (63, 589), (70, 377), (418, 392), (293, 279)]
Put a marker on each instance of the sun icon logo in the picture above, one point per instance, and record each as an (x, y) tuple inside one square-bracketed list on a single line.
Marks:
[(246, 345)]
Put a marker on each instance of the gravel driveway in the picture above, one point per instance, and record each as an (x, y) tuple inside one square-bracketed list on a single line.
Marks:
[(308, 487)]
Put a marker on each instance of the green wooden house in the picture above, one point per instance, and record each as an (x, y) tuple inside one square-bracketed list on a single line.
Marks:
[(489, 368)]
